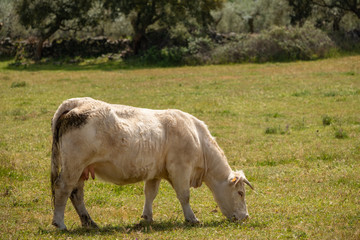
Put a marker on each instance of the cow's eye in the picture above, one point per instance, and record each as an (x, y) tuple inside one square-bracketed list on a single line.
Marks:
[(241, 193)]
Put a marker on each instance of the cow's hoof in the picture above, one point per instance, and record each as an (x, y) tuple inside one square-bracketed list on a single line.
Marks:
[(147, 218), (192, 221), (61, 227), (90, 224), (87, 222)]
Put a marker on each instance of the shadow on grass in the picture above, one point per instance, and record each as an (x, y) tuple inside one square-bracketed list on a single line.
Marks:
[(84, 65), (147, 228)]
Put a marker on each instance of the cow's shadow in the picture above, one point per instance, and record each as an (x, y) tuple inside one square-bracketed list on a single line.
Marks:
[(143, 227)]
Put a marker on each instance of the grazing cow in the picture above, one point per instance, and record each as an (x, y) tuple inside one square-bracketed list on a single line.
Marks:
[(123, 144)]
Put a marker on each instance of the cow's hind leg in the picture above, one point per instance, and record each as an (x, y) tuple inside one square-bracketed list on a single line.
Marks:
[(62, 188), (77, 199), (151, 189)]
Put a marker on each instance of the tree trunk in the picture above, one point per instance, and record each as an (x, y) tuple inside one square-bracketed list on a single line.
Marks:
[(336, 24), (137, 41), (39, 48), (251, 24)]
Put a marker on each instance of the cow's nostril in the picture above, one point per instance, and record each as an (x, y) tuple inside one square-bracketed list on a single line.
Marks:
[(246, 217)]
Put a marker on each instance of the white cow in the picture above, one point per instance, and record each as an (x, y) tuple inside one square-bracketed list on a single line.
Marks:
[(123, 144)]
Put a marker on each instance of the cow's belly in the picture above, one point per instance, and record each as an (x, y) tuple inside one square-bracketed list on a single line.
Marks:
[(122, 174)]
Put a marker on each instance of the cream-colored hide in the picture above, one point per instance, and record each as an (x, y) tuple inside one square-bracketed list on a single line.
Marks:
[(122, 145)]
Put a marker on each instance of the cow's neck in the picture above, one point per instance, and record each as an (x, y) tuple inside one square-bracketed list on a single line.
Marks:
[(218, 169)]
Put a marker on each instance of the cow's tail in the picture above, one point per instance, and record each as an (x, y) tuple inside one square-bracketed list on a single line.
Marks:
[(63, 109), (55, 166)]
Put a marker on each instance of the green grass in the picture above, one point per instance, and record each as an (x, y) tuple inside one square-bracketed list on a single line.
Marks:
[(270, 119)]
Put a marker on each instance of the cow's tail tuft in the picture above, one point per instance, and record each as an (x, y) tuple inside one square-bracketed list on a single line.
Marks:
[(56, 122)]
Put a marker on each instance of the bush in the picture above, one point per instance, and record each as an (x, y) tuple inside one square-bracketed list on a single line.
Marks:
[(347, 41), (276, 44), (167, 56), (277, 130), (199, 50), (62, 48), (18, 84), (340, 134), (326, 120), (271, 130), (199, 45)]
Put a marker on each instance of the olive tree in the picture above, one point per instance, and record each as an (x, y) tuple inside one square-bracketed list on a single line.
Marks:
[(146, 13), (253, 15), (47, 17), (344, 5), (301, 10)]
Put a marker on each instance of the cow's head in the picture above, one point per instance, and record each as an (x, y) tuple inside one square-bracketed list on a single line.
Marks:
[(231, 196)]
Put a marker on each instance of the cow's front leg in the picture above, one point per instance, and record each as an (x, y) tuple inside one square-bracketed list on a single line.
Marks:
[(182, 190), (77, 199), (184, 198), (151, 189)]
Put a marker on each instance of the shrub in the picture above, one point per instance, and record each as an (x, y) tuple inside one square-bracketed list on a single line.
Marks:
[(340, 133), (199, 45), (277, 130), (271, 130), (276, 44), (167, 55), (326, 120), (302, 93), (199, 50), (18, 84)]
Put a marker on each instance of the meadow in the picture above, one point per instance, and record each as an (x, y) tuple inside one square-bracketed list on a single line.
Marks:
[(294, 128)]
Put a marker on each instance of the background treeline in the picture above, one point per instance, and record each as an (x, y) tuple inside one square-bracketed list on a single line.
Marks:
[(178, 32)]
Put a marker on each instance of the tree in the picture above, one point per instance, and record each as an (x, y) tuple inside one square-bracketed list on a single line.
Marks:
[(145, 13), (253, 15), (8, 20), (49, 16), (249, 13), (328, 16), (301, 11), (330, 11), (344, 5)]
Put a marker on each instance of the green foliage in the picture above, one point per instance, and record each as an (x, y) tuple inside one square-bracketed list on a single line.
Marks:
[(326, 120), (18, 84), (301, 11), (47, 17), (193, 25), (164, 14), (277, 130), (345, 5), (10, 26), (166, 56), (271, 130), (199, 45), (243, 16), (277, 44), (340, 133), (302, 93)]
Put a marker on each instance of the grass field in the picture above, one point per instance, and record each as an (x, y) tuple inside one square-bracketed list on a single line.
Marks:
[(294, 128)]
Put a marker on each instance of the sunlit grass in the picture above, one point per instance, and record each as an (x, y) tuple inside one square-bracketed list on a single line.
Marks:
[(294, 128)]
